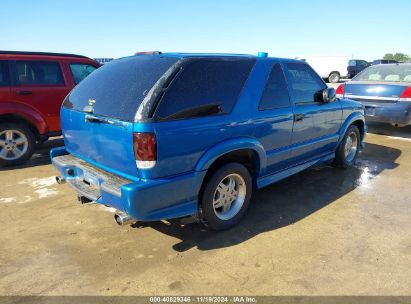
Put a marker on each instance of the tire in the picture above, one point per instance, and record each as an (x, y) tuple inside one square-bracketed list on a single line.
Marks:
[(222, 203), (334, 77), (345, 157), (17, 144)]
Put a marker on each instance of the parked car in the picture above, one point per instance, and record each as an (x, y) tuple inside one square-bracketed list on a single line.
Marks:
[(33, 86), (355, 66), (384, 90), (383, 61), (330, 68), (174, 135)]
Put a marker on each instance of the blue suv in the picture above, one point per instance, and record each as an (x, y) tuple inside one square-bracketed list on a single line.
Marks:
[(171, 135)]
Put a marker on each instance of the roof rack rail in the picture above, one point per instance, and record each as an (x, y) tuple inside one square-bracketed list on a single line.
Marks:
[(42, 53)]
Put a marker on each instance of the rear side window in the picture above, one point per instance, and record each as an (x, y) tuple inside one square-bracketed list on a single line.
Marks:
[(352, 63), (81, 71), (275, 94), (117, 89), (38, 72), (205, 87), (305, 83), (4, 74), (363, 63)]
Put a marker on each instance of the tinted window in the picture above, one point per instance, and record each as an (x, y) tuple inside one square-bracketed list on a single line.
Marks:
[(81, 71), (275, 94), (363, 63), (352, 63), (305, 83), (119, 87), (205, 87), (38, 72), (4, 74)]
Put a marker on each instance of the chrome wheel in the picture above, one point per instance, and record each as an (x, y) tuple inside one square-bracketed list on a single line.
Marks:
[(13, 144), (229, 196), (350, 147)]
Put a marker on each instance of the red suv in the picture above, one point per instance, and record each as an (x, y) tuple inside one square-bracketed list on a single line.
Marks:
[(32, 87)]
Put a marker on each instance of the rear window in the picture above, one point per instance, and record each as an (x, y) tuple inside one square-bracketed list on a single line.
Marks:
[(386, 73), (205, 86), (118, 88)]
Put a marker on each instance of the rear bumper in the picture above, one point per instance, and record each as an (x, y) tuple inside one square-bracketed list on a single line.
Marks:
[(145, 200), (394, 113)]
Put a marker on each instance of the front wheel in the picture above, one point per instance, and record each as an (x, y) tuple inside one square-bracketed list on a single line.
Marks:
[(226, 197), (348, 149), (17, 144)]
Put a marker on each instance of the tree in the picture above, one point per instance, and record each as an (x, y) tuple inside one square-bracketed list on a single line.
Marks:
[(400, 57)]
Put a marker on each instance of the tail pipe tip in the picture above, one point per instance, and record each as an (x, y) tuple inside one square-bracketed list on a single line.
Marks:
[(60, 180), (123, 219)]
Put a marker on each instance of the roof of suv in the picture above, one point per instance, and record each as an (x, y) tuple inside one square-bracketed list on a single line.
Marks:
[(213, 55), (42, 54), (181, 55)]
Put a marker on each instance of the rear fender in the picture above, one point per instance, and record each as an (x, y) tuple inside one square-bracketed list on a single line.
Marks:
[(212, 154)]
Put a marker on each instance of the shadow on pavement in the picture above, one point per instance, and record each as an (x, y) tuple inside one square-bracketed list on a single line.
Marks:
[(41, 155), (389, 130), (285, 202)]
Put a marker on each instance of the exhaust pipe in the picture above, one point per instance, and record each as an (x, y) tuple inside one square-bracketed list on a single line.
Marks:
[(60, 180), (122, 219)]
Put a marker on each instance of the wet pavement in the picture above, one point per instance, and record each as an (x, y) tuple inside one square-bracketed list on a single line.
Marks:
[(325, 231)]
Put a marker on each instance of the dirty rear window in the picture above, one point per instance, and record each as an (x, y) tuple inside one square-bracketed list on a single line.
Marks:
[(118, 88)]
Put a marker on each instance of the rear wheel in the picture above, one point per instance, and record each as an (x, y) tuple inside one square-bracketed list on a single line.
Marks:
[(349, 148), (334, 77), (226, 197), (17, 144)]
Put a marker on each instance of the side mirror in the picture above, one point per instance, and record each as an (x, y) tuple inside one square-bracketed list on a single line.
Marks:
[(329, 95)]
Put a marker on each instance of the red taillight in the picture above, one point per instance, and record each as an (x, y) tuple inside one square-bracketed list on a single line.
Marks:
[(145, 149), (406, 94), (340, 90)]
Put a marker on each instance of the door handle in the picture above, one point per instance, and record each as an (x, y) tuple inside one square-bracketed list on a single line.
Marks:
[(22, 92), (298, 117)]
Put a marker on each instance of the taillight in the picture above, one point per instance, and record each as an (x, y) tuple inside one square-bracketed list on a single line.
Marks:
[(145, 150), (340, 91), (406, 94)]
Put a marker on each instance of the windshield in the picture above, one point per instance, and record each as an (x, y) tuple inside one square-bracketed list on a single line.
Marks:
[(117, 89), (386, 73)]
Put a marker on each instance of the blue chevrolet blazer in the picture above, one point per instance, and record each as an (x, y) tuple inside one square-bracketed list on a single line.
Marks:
[(160, 136)]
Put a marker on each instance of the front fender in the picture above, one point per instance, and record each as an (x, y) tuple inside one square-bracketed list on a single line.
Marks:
[(355, 116), (232, 145), (25, 112)]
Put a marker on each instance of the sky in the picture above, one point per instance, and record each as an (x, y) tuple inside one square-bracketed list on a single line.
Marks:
[(361, 29)]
